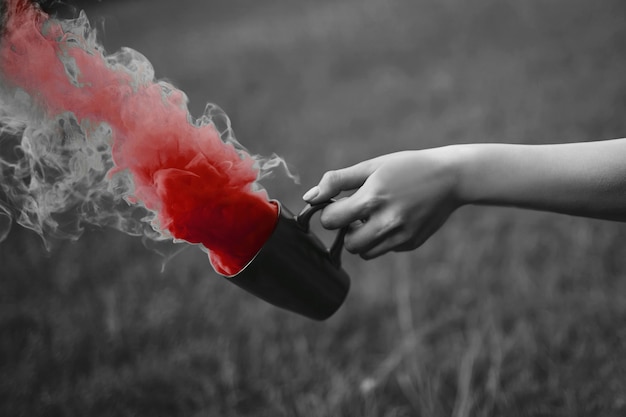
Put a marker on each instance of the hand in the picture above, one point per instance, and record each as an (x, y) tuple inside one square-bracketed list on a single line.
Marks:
[(401, 199)]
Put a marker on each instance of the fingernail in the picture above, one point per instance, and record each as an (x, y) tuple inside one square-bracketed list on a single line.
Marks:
[(311, 194)]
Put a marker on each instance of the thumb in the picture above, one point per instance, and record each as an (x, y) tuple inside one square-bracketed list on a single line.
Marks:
[(334, 182)]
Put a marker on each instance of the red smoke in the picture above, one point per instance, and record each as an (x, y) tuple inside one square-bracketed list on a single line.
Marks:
[(200, 187)]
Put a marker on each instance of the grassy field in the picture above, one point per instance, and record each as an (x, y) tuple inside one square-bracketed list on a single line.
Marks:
[(502, 313)]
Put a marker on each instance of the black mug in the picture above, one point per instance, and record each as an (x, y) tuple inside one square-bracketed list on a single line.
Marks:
[(294, 270)]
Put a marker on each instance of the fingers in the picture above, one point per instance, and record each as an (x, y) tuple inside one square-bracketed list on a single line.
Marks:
[(345, 211), (398, 239), (396, 243), (334, 182), (378, 233), (367, 244)]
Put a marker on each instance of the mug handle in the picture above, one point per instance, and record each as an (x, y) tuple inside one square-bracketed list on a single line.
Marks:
[(304, 218)]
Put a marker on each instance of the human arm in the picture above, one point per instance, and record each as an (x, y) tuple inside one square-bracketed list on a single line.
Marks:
[(404, 197)]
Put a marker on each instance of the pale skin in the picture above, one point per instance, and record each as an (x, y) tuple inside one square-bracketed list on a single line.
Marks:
[(403, 198)]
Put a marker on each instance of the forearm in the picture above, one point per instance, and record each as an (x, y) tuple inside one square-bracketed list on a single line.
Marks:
[(583, 179)]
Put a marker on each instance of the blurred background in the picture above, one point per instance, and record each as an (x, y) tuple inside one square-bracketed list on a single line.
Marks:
[(503, 312)]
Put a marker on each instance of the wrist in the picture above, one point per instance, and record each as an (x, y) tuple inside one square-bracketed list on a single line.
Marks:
[(503, 175), (464, 160)]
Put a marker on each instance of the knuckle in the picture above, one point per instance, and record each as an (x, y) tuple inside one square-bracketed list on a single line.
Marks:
[(326, 220), (370, 203), (330, 218), (396, 223), (330, 177), (350, 247), (393, 223), (350, 244)]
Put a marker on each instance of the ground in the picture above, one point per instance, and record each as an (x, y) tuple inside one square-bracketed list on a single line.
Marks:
[(503, 312)]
